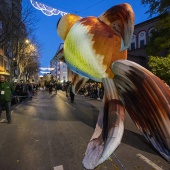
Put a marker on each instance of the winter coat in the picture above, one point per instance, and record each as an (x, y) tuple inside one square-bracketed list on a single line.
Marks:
[(6, 90)]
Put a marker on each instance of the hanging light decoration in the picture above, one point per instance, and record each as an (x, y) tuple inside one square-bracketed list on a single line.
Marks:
[(46, 68), (45, 72), (47, 10)]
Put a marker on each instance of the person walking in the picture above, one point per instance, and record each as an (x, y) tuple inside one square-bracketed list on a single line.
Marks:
[(50, 88), (56, 87), (29, 90), (6, 90), (70, 92)]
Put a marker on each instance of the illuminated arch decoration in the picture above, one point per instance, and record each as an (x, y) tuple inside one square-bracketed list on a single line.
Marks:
[(46, 68), (47, 10), (44, 72)]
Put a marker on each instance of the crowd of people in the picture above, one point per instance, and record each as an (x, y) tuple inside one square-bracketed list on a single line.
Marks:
[(93, 90), (23, 90), (17, 92)]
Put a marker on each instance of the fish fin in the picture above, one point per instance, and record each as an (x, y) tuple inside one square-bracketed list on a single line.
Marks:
[(78, 83), (147, 100), (109, 128)]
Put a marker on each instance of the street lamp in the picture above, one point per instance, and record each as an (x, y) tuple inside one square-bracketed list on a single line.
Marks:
[(16, 60), (27, 41)]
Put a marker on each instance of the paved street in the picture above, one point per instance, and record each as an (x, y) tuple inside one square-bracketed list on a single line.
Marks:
[(50, 133)]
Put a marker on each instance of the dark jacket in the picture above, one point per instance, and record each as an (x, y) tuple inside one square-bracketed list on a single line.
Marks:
[(6, 90)]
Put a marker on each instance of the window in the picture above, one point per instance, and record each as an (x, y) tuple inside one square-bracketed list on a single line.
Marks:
[(132, 46), (142, 39), (133, 43), (142, 43), (0, 24), (1, 60), (150, 32), (5, 65), (0, 27)]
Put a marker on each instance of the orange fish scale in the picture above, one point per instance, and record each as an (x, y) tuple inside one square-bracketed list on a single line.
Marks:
[(106, 42)]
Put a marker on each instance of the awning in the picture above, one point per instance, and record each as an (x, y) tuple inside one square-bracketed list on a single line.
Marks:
[(4, 73)]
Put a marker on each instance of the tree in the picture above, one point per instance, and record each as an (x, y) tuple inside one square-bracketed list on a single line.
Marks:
[(15, 20), (27, 57), (29, 17), (31, 70), (160, 66), (9, 22), (160, 38)]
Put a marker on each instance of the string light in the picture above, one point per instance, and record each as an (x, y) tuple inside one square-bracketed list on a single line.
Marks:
[(44, 72), (47, 10), (44, 68)]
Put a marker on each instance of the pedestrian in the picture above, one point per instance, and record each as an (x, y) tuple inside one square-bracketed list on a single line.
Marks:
[(50, 88), (56, 87), (71, 94), (29, 90), (6, 90)]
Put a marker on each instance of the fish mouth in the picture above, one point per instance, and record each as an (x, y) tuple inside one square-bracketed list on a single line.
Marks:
[(120, 18)]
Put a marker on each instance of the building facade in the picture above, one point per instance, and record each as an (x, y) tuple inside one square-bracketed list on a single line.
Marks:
[(140, 38), (10, 17), (61, 72)]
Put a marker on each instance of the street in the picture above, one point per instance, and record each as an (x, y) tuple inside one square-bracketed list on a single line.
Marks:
[(50, 133)]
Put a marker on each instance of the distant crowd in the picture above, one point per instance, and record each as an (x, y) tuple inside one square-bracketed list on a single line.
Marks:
[(93, 90), (24, 90)]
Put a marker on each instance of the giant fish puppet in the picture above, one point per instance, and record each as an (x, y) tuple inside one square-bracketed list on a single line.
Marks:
[(96, 48)]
